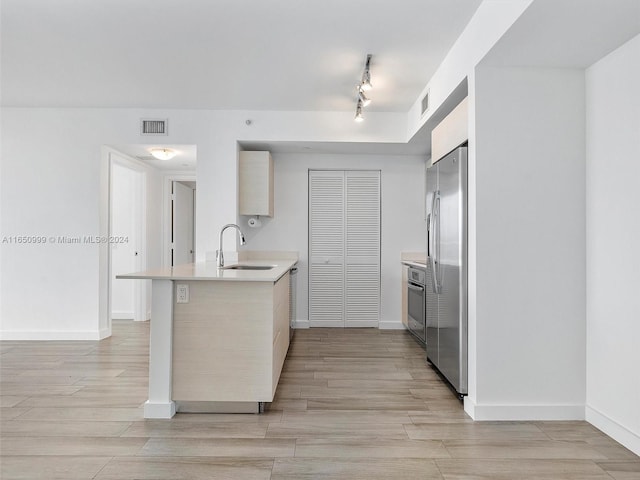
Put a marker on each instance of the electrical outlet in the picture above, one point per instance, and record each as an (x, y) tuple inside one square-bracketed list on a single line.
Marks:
[(182, 293)]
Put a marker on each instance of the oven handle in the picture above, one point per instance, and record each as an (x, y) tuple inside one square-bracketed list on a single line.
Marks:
[(417, 288)]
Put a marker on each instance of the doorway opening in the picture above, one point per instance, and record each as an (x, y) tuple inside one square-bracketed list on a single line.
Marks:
[(178, 219), (183, 211), (136, 218)]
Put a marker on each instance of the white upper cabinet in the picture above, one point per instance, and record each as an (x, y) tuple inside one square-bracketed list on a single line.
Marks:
[(255, 184), (451, 132)]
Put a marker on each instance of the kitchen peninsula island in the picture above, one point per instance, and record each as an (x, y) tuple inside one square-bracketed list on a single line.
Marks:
[(219, 336)]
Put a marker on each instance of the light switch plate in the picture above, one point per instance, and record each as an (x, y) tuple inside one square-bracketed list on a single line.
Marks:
[(182, 293)]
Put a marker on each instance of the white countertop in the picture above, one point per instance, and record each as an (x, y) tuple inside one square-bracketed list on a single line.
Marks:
[(414, 263), (414, 259), (209, 271)]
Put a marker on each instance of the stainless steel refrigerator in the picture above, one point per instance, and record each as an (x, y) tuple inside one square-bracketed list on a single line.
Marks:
[(446, 278)]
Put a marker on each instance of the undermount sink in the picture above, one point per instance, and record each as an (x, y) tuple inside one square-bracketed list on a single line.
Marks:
[(249, 267)]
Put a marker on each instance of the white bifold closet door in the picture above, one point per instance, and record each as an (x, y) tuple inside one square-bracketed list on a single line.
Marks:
[(344, 248)]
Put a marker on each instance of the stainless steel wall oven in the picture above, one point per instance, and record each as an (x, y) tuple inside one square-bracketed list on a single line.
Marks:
[(416, 303)]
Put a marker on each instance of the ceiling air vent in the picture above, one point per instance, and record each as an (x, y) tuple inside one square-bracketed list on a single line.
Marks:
[(154, 126), (425, 103)]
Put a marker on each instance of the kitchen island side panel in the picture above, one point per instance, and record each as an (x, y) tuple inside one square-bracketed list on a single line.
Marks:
[(222, 346)]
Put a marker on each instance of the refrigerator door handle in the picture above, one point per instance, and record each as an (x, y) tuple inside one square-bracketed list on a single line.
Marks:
[(429, 236), (433, 240)]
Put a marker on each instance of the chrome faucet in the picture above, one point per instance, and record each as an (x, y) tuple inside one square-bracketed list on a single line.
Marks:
[(219, 255)]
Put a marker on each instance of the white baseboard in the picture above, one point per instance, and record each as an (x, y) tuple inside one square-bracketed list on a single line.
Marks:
[(120, 315), (54, 335), (340, 324), (522, 412), (217, 407), (619, 433), (330, 324), (390, 325), (363, 324), (159, 410), (382, 325)]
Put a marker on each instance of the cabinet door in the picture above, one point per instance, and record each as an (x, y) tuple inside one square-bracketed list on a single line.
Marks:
[(451, 132), (280, 327), (255, 184)]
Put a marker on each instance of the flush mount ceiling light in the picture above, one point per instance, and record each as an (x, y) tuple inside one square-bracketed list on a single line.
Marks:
[(162, 153), (362, 87)]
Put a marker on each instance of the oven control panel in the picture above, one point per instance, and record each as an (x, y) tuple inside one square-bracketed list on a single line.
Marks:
[(416, 275)]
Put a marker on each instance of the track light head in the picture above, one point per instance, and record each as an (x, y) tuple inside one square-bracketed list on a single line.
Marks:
[(366, 101), (359, 117), (365, 85)]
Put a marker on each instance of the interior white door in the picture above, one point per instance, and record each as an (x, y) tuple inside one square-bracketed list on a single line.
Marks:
[(344, 248), (362, 248), (182, 224), (326, 249)]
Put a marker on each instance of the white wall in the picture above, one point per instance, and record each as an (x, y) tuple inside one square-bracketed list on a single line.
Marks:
[(613, 240), (49, 189), (530, 244), (217, 168), (54, 183), (488, 24), (403, 227)]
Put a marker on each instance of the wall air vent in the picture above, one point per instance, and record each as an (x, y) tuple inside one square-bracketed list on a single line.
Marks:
[(425, 103), (154, 126)]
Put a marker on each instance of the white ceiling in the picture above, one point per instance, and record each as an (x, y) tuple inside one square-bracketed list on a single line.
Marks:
[(567, 33), (223, 54)]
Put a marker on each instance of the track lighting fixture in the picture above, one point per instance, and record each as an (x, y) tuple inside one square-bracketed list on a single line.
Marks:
[(362, 87)]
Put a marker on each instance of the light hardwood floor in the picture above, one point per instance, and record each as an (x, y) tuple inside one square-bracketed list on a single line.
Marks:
[(351, 404)]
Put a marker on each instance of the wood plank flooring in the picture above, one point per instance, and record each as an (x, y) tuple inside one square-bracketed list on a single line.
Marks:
[(351, 404)]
